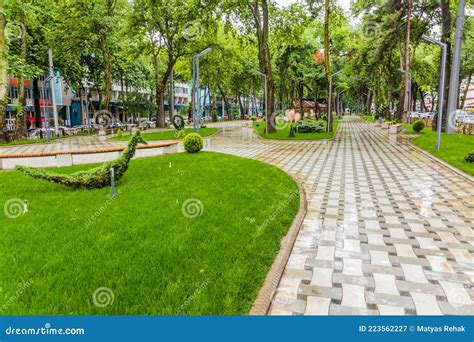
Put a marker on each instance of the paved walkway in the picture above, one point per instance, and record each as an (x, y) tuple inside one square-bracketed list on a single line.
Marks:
[(388, 231)]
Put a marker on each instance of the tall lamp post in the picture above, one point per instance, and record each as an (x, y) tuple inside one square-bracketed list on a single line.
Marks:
[(46, 112), (87, 85), (330, 100), (409, 93), (196, 90), (440, 87), (266, 99)]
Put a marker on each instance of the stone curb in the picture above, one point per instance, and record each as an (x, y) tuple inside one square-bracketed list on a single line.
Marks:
[(98, 150), (442, 163), (262, 303)]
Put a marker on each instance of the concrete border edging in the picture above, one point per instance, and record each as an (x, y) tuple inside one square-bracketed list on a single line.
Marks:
[(262, 303), (442, 163)]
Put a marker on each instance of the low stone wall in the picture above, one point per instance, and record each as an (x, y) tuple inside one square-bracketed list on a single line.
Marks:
[(69, 158)]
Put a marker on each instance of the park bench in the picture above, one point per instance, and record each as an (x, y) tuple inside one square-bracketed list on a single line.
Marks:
[(395, 128), (386, 124)]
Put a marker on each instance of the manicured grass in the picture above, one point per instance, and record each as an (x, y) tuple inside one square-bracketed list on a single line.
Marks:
[(454, 147), (369, 118), (168, 135), (282, 134), (140, 245), (37, 141)]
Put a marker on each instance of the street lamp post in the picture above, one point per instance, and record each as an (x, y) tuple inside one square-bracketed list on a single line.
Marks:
[(266, 99), (409, 93), (330, 100), (196, 90), (46, 114), (441, 87), (87, 85)]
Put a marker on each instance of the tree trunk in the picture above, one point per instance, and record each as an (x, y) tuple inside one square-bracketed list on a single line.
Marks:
[(327, 63), (241, 106), (104, 47), (466, 90), (20, 112), (445, 38), (224, 97), (3, 72), (423, 104), (160, 118), (122, 98), (36, 102)]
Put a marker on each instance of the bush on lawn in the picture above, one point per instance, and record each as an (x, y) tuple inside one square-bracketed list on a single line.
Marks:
[(418, 126), (309, 126), (120, 133), (193, 143), (253, 118), (470, 157)]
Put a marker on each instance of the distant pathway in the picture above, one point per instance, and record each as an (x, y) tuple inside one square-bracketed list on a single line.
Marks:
[(388, 231)]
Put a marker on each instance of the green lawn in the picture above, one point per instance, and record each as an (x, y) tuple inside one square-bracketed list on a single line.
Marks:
[(141, 246), (454, 147), (369, 118), (168, 135), (282, 134)]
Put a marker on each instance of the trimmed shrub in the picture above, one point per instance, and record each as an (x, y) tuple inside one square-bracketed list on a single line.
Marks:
[(120, 133), (418, 126), (193, 143), (470, 157), (309, 126), (253, 118)]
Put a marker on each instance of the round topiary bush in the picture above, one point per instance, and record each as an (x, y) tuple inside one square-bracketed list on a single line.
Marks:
[(470, 157), (193, 143), (418, 126)]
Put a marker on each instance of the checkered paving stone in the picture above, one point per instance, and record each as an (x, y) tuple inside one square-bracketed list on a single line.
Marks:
[(388, 231)]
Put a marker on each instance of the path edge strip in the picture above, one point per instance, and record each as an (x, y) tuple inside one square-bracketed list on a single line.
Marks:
[(443, 163), (262, 303)]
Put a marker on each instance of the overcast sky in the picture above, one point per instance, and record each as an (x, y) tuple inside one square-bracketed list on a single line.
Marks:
[(346, 4)]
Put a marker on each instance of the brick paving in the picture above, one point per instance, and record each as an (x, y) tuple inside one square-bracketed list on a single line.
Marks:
[(388, 231)]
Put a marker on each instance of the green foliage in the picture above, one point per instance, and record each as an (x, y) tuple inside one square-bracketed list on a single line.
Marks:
[(92, 179), (292, 134), (469, 157), (418, 126), (193, 143), (120, 133), (214, 116), (253, 118), (310, 126)]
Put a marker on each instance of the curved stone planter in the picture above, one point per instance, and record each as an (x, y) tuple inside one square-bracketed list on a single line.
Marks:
[(79, 157)]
